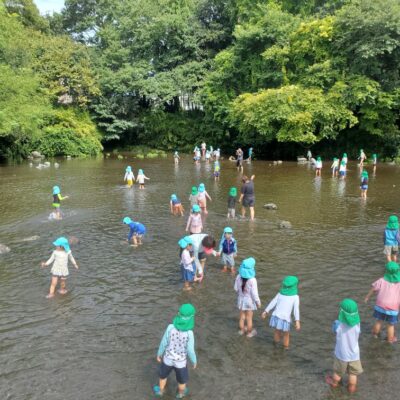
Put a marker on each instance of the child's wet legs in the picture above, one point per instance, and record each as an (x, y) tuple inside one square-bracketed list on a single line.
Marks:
[(352, 385), (162, 383), (242, 318), (377, 328), (390, 333), (277, 336), (181, 388), (63, 289), (249, 321), (53, 285), (286, 340)]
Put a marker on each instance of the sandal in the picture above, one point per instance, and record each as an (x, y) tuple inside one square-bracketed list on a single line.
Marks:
[(157, 391), (182, 395)]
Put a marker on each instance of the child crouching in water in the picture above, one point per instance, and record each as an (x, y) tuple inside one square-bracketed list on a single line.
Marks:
[(136, 231), (176, 205), (347, 350), (387, 301), (283, 304), (188, 265), (60, 257), (176, 346), (248, 299)]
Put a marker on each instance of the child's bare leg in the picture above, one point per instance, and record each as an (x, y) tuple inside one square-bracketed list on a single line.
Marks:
[(233, 270), (277, 336), (242, 318), (335, 380), (390, 333), (181, 388), (251, 213), (243, 212), (162, 383), (394, 257), (249, 321), (352, 385), (186, 286), (53, 285), (390, 257), (377, 328), (63, 289), (225, 269), (286, 340)]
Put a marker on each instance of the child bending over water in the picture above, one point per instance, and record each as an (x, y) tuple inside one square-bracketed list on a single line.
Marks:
[(283, 304), (136, 231), (176, 205), (59, 258), (248, 299)]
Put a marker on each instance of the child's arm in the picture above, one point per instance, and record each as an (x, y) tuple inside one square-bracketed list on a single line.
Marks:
[(236, 284), (126, 175), (398, 237), (208, 196), (72, 259), (62, 198), (130, 234), (188, 223), (190, 349), (370, 293), (49, 261), (164, 343), (235, 248), (171, 207), (252, 177), (270, 306), (254, 293), (145, 177), (297, 312)]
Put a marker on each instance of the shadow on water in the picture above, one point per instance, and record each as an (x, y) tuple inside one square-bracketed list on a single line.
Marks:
[(100, 341)]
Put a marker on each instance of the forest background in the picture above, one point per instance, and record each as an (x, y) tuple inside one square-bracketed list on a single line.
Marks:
[(280, 76)]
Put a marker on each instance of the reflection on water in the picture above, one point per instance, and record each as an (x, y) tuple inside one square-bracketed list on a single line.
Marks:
[(100, 340)]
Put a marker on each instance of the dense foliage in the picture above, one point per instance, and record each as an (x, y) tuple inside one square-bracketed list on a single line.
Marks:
[(168, 73)]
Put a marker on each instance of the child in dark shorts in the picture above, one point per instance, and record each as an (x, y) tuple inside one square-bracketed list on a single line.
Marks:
[(176, 345), (232, 202)]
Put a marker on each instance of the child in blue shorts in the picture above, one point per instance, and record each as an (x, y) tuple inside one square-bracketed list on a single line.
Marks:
[(136, 231), (176, 346), (391, 238)]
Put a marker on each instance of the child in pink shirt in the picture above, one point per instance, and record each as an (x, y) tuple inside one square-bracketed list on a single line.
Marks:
[(195, 223), (387, 301)]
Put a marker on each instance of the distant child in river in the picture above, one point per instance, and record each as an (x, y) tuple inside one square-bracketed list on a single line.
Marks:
[(176, 158), (217, 171), (250, 156), (318, 166), (364, 184), (232, 202), (248, 299), (176, 346), (194, 223), (344, 158), (228, 250), (176, 205), (387, 302), (193, 196), (342, 169), (136, 231), (60, 257), (362, 158), (335, 167), (141, 177), (374, 160), (129, 177), (188, 265), (285, 303), (391, 238), (57, 198), (202, 198), (347, 350), (208, 156), (309, 155)]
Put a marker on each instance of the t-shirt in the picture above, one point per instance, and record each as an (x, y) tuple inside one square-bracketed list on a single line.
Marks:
[(231, 202), (248, 190), (283, 307), (388, 294), (347, 348)]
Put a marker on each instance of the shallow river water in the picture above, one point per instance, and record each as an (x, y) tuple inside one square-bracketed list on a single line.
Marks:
[(100, 340)]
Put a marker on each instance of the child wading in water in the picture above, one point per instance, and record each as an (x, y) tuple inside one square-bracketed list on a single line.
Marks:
[(57, 198), (283, 304), (347, 350), (362, 158), (364, 184), (228, 250), (60, 257), (136, 231), (335, 167), (188, 265), (391, 238), (176, 158), (318, 166), (129, 177), (248, 300), (141, 177), (176, 205), (194, 223), (193, 196), (217, 171), (232, 202), (387, 302), (202, 198), (342, 169), (176, 345)]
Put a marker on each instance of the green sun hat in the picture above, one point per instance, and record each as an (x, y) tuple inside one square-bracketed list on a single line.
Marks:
[(318, 158), (184, 321), (195, 192), (364, 174), (289, 286), (348, 313), (233, 192), (393, 222), (344, 154), (392, 274)]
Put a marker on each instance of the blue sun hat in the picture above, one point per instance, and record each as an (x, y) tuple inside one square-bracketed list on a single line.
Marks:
[(196, 208), (246, 269), (173, 197), (188, 240), (127, 220), (62, 242), (183, 243), (228, 229), (128, 168), (202, 188), (56, 190), (140, 172)]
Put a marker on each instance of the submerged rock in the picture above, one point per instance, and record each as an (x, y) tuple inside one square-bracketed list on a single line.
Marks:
[(271, 206), (285, 225), (4, 249), (31, 238), (36, 154), (56, 165)]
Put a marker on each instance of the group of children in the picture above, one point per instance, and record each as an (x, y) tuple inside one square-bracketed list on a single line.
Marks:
[(130, 177)]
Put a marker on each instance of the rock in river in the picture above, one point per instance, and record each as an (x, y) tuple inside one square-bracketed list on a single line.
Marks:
[(271, 206)]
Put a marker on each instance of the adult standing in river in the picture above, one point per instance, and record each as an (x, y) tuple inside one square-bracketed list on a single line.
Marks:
[(247, 197), (239, 159)]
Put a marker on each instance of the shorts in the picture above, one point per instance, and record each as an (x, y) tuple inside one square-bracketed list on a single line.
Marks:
[(390, 250), (187, 275), (364, 187), (228, 259), (350, 367), (248, 202), (342, 173), (390, 319), (239, 163), (56, 205), (202, 256), (182, 374), (216, 174), (129, 182), (334, 170)]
